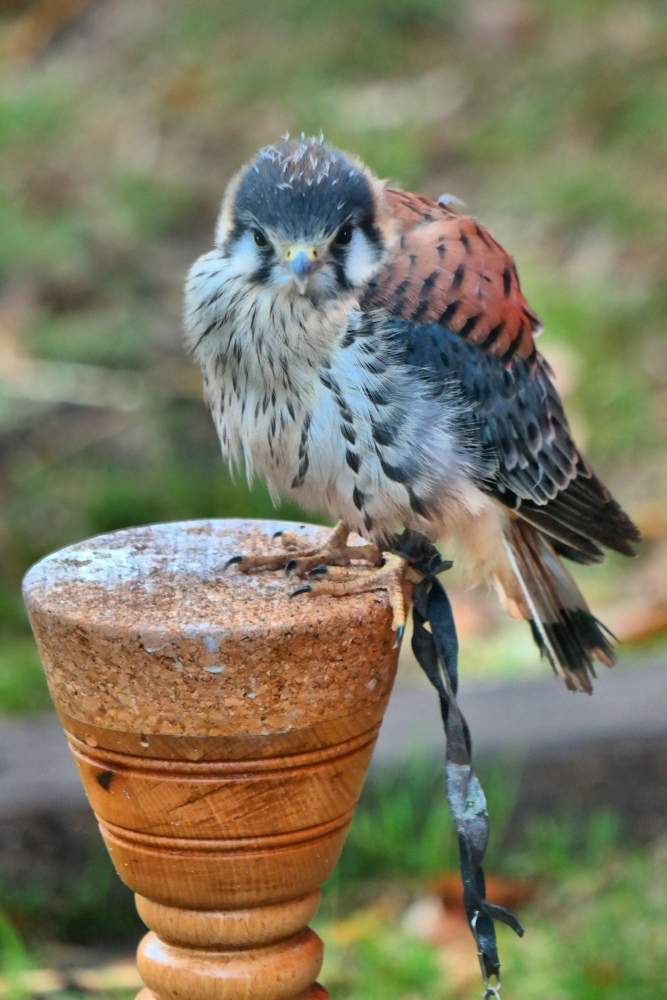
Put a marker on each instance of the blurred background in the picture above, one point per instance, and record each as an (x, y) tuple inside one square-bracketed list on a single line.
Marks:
[(120, 123)]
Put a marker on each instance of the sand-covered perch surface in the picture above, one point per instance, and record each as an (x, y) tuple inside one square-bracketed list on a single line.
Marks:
[(140, 632)]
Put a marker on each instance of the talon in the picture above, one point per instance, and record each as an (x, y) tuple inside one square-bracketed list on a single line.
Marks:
[(231, 562), (301, 557), (301, 590), (400, 631)]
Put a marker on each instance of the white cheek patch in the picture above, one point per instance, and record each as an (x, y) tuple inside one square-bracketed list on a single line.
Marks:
[(245, 257), (362, 260)]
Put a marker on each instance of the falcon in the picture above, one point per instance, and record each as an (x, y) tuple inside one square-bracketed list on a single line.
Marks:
[(369, 353)]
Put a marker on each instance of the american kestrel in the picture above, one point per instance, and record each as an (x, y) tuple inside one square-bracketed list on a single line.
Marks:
[(370, 354)]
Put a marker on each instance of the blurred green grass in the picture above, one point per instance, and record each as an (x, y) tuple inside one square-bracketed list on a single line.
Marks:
[(118, 136), (116, 141), (591, 934), (596, 927), (22, 684)]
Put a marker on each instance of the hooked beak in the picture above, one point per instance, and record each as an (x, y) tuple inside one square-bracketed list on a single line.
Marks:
[(301, 262)]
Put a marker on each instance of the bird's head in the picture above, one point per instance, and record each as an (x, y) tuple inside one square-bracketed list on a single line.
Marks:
[(304, 219)]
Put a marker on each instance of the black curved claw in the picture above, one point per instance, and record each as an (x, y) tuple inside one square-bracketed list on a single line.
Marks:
[(277, 534), (232, 562), (301, 590), (400, 631), (290, 566), (318, 570)]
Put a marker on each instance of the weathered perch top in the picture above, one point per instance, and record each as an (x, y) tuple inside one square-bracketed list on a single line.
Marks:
[(222, 733), (141, 634)]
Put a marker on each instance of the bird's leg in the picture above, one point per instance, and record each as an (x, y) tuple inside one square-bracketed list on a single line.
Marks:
[(391, 576), (329, 570), (300, 556)]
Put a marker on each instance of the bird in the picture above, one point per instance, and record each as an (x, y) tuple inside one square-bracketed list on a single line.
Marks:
[(369, 353)]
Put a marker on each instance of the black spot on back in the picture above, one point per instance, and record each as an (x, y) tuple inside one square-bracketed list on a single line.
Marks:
[(421, 310), (469, 326), (449, 312), (429, 282), (483, 237), (507, 281), (491, 337), (459, 275), (511, 350)]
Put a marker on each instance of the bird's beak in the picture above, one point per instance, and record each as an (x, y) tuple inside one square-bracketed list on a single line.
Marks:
[(301, 262)]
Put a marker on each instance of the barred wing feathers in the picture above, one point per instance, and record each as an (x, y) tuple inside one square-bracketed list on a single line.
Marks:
[(459, 312), (447, 268)]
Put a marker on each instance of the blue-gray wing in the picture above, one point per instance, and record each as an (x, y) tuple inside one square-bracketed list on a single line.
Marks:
[(513, 421)]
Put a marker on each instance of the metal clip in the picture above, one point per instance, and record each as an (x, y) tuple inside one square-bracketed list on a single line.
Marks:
[(490, 992)]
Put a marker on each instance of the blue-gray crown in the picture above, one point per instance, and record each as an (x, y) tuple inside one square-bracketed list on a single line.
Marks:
[(303, 187)]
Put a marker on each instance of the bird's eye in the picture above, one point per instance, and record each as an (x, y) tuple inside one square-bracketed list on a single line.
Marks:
[(259, 238), (344, 235)]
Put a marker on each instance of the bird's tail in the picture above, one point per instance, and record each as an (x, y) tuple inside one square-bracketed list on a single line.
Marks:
[(563, 627)]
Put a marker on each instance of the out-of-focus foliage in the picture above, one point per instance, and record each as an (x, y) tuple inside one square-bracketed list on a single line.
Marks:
[(14, 957), (403, 825), (119, 131), (591, 933), (596, 927)]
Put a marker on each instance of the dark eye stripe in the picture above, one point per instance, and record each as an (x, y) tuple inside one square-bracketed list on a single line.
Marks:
[(341, 277), (263, 272)]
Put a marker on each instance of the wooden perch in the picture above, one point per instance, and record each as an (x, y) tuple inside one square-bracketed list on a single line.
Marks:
[(222, 733)]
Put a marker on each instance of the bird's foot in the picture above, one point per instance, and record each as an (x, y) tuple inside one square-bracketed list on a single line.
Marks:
[(300, 557), (339, 582)]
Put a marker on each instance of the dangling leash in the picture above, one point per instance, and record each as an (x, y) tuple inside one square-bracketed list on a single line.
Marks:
[(435, 645)]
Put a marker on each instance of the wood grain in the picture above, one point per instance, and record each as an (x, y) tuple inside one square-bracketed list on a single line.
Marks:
[(232, 928), (223, 812)]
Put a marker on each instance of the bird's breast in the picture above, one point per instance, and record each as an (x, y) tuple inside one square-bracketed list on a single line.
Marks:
[(262, 386), (335, 418)]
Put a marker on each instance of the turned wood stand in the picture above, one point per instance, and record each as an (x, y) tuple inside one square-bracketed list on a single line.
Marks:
[(222, 733)]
